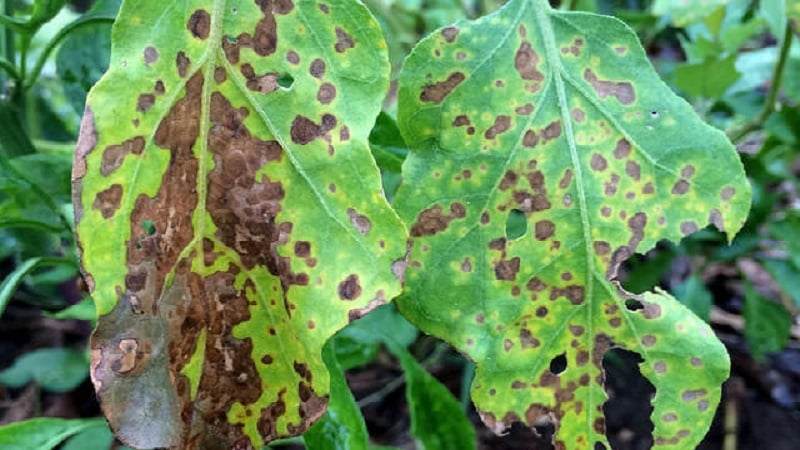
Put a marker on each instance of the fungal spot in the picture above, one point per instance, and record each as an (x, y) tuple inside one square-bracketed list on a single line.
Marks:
[(114, 155), (727, 193), (544, 229), (326, 93), (524, 110), (687, 171), (145, 102), (324, 8), (692, 395), (622, 149), (317, 68), (688, 228), (558, 364), (525, 62), (598, 163), (349, 289), (527, 340), (633, 170), (578, 115), (648, 340), (680, 187), (304, 130), (466, 265), (436, 92), (622, 91), (259, 83), (602, 248), (343, 41), (660, 367), (507, 270), (636, 224), (450, 33), (431, 221), (107, 201), (302, 249), (501, 124), (150, 55), (530, 139), (461, 121), (199, 24), (182, 63), (516, 224), (360, 222)]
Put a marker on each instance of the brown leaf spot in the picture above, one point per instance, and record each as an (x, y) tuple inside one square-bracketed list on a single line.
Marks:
[(501, 124), (566, 179), (525, 62), (343, 41), (633, 170), (145, 102), (150, 55), (302, 249), (660, 367), (623, 91), (466, 265), (578, 115), (602, 248), (524, 110), (509, 180), (292, 57), (360, 222), (544, 229), (535, 284), (436, 92), (727, 193), (527, 340), (450, 33), (692, 395), (636, 224), (304, 130), (461, 121), (598, 163), (349, 289), (530, 139), (648, 340), (623, 149), (158, 88), (199, 24), (508, 345), (431, 221), (648, 188), (507, 270), (715, 218), (541, 311), (107, 201), (687, 171), (552, 130), (259, 83), (326, 93), (680, 187), (669, 417), (182, 62), (688, 227), (317, 68), (114, 155), (220, 75)]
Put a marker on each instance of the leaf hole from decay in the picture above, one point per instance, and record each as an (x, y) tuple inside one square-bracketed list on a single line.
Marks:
[(627, 410), (234, 10), (558, 364), (516, 224), (654, 115), (599, 446), (231, 39), (633, 305), (285, 81), (545, 430), (149, 227)]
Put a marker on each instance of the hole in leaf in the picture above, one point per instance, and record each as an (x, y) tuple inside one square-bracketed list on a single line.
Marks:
[(633, 305), (234, 10), (599, 446), (558, 364), (516, 224), (546, 430), (627, 411), (285, 81), (149, 227), (654, 114), (231, 39)]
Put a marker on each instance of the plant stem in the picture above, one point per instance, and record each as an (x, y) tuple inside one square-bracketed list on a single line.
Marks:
[(772, 96)]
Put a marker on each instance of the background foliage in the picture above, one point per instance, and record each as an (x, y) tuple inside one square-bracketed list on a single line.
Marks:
[(735, 61)]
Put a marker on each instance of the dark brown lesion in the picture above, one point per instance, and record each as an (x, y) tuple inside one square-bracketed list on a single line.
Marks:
[(501, 125), (114, 155), (623, 91), (432, 220), (305, 130), (108, 200), (343, 41), (436, 92), (263, 84), (199, 24)]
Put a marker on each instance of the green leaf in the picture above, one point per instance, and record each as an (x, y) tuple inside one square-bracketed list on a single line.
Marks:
[(707, 79), (793, 13), (17, 276), (224, 156), (98, 437), (766, 324), (558, 115), (694, 294), (342, 426), (54, 369), (83, 310), (685, 12), (42, 433)]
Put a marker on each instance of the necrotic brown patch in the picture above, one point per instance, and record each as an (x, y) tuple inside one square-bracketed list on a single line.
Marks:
[(450, 33), (360, 222), (525, 62), (544, 229), (182, 62), (199, 24), (259, 83), (343, 41), (622, 91), (507, 270), (436, 92), (349, 289), (150, 55), (431, 221), (501, 124), (114, 155), (145, 102), (304, 130), (623, 149), (317, 68), (326, 93), (598, 163), (107, 201), (680, 187)]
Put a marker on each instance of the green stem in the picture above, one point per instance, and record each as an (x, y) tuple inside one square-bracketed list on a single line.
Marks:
[(62, 33), (9, 67), (572, 5), (772, 96)]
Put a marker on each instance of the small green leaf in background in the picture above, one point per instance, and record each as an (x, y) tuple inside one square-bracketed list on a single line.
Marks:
[(54, 369), (793, 13), (97, 437), (685, 12), (695, 295), (766, 324), (43, 433), (83, 310), (707, 79), (559, 116)]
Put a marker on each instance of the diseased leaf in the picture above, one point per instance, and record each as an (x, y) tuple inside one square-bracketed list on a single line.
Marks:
[(685, 12), (558, 116), (230, 216)]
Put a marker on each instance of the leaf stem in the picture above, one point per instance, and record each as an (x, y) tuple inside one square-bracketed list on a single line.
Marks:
[(85, 20), (772, 96), (9, 67)]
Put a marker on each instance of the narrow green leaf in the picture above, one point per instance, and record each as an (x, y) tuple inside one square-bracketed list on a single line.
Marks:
[(766, 324), (54, 369), (42, 433), (560, 116), (17, 276), (224, 156), (685, 12), (342, 426)]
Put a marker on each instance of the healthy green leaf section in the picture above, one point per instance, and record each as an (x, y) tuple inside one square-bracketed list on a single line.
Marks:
[(793, 13), (229, 214), (54, 369), (559, 117), (686, 12)]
